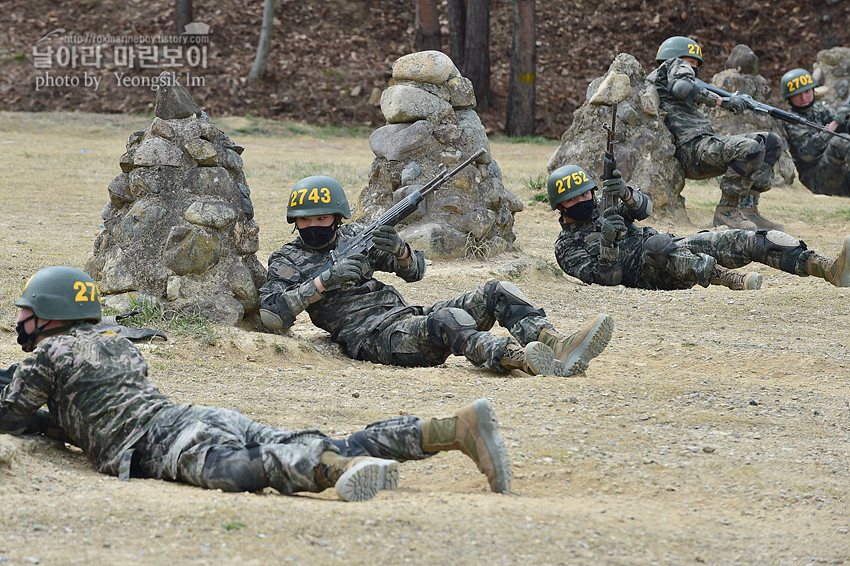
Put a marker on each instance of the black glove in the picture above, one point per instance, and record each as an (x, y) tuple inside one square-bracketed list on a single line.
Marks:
[(615, 186), (345, 272), (734, 104), (613, 226), (387, 239)]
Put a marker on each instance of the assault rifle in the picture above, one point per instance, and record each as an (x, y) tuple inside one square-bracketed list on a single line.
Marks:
[(362, 242), (609, 164), (762, 108)]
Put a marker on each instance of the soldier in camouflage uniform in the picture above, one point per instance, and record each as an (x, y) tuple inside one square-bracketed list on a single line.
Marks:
[(611, 250), (372, 321), (745, 161), (99, 398), (822, 160)]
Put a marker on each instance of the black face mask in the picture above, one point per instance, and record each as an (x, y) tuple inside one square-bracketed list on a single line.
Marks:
[(696, 71), (317, 237), (581, 211), (27, 339)]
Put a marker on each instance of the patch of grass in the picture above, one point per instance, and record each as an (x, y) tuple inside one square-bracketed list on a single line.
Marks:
[(153, 315), (233, 526), (533, 140)]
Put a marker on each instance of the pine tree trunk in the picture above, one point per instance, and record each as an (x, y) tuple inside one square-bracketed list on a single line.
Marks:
[(258, 69), (521, 97), (427, 26), (476, 65)]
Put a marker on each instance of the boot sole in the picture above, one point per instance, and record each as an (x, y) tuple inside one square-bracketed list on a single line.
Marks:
[(753, 282), (592, 345), (488, 429), (540, 358), (364, 479)]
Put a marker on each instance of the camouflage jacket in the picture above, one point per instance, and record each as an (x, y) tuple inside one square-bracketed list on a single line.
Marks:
[(350, 314), (807, 144), (579, 252), (684, 119), (96, 389)]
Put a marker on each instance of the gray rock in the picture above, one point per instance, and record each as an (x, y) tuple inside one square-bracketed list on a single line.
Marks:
[(394, 141), (832, 72), (427, 66), (744, 60), (154, 151), (401, 103), (173, 101), (215, 215), (190, 249)]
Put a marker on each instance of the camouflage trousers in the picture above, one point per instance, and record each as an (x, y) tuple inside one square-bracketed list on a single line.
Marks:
[(830, 173), (745, 161), (218, 448), (695, 256), (458, 326)]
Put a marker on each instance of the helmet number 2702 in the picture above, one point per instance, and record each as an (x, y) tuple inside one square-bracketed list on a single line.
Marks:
[(316, 195)]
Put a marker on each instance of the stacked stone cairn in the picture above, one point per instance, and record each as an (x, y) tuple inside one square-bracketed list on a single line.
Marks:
[(431, 120), (179, 227)]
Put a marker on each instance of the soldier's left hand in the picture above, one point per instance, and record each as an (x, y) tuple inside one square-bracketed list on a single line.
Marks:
[(615, 186), (387, 239), (734, 104)]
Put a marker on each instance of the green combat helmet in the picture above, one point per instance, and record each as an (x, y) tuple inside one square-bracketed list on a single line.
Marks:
[(62, 293), (317, 195), (567, 182), (796, 81), (679, 46)]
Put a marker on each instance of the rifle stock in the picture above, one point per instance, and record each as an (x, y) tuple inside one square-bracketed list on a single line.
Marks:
[(362, 242), (772, 111)]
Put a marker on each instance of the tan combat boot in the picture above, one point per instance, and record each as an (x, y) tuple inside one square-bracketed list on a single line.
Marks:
[(835, 271), (574, 352), (728, 213), (535, 359), (473, 431), (750, 209), (358, 478), (735, 280)]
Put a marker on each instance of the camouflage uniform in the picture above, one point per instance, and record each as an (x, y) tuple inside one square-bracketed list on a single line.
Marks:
[(372, 321), (822, 160), (98, 395), (745, 160), (645, 259)]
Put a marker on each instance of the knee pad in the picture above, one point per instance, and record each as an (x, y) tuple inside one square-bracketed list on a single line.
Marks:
[(231, 469), (751, 159), (658, 248), (507, 304), (778, 249), (773, 147), (456, 326)]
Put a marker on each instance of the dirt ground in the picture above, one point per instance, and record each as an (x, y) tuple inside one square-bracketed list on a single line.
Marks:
[(714, 429)]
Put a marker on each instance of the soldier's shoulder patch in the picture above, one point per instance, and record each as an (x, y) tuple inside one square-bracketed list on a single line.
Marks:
[(285, 271)]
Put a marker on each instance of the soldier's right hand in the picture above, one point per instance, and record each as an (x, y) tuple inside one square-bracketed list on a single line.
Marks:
[(612, 226), (616, 186), (734, 104), (345, 272)]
